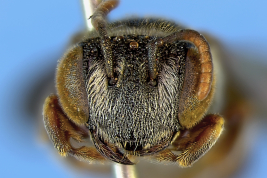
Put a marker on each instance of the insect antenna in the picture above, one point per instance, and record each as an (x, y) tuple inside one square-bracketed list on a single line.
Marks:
[(100, 24), (205, 59)]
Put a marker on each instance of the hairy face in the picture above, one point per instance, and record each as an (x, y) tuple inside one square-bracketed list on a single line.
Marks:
[(134, 109), (139, 86)]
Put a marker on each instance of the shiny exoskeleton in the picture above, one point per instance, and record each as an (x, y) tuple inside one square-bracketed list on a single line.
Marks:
[(137, 87)]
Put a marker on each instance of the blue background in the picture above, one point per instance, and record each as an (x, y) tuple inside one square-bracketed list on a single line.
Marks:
[(31, 31)]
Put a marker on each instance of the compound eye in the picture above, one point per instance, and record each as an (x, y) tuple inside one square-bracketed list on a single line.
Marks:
[(204, 60), (71, 86)]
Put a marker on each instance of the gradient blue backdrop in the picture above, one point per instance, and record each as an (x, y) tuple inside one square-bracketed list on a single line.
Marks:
[(31, 31)]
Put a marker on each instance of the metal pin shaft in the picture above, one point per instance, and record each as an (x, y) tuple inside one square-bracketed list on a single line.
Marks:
[(124, 171), (89, 7)]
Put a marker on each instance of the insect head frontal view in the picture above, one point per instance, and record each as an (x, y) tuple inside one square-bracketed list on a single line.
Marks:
[(135, 87)]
